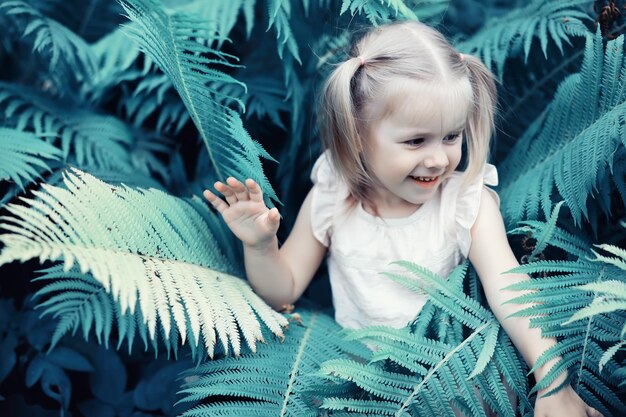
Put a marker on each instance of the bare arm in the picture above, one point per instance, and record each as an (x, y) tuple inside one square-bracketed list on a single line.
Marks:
[(279, 276), (491, 255)]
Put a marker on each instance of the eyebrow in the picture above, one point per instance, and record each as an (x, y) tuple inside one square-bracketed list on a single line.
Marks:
[(418, 133)]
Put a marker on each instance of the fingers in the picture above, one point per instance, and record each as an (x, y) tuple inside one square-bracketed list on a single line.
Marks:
[(238, 188), (255, 191), (217, 202), (273, 216), (234, 191), (229, 194)]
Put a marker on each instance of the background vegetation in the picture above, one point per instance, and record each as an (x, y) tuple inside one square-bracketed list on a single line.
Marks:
[(128, 300)]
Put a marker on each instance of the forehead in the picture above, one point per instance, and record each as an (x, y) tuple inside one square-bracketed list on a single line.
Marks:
[(431, 108)]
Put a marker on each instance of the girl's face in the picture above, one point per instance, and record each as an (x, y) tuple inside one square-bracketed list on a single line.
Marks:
[(414, 147)]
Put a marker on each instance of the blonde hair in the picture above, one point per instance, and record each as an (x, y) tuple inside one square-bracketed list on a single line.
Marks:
[(410, 51)]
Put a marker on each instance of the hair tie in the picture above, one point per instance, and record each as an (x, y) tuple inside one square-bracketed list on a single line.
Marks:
[(361, 60)]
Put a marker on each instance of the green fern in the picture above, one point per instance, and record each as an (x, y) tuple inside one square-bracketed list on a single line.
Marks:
[(503, 37), (273, 381), (411, 374), (378, 12), (86, 138), (69, 55), (573, 144), (584, 341), (22, 156), (90, 19), (116, 60), (147, 249), (221, 16), (166, 39), (609, 297)]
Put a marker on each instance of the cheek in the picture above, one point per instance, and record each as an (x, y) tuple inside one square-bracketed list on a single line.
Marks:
[(455, 156)]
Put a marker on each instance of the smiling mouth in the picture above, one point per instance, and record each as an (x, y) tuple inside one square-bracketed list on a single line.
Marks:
[(425, 182), (425, 179)]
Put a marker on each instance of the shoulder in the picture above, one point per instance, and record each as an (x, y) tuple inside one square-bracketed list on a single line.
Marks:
[(466, 198), (325, 198)]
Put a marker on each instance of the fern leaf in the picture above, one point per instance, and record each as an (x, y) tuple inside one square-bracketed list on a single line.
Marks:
[(386, 11), (564, 303), (273, 381), (62, 45), (91, 138), (23, 155), (574, 143), (503, 37), (409, 374), (167, 40), (146, 249)]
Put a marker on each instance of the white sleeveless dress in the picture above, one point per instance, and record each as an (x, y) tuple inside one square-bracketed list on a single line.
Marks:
[(361, 246)]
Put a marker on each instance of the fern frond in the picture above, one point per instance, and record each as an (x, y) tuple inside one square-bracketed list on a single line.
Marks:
[(220, 16), (116, 60), (273, 381), (89, 19), (578, 138), (23, 155), (279, 16), (147, 249), (513, 34), (169, 41), (410, 374), (92, 139), (379, 12), (563, 303), (68, 53)]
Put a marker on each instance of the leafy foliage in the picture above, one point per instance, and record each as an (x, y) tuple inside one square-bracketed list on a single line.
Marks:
[(21, 154), (504, 37), (559, 300), (573, 144), (410, 373), (166, 39), (145, 263), (115, 122), (273, 380)]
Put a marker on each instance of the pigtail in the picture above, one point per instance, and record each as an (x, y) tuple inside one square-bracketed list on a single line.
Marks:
[(480, 125), (338, 109)]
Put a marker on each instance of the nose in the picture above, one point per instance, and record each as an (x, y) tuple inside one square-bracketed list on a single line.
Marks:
[(436, 157)]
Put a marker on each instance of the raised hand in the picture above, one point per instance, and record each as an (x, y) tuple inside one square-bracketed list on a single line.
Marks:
[(244, 211)]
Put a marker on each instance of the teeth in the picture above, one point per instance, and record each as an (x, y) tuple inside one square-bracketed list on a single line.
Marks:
[(425, 179)]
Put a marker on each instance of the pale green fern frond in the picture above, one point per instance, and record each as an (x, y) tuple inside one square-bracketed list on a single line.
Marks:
[(80, 303), (514, 33), (147, 249), (23, 155), (273, 381), (170, 40), (572, 146)]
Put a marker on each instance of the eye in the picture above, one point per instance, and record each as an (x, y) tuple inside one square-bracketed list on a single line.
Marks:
[(451, 138), (415, 142)]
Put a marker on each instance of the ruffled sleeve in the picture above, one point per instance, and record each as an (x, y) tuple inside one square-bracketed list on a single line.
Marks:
[(468, 203), (328, 192)]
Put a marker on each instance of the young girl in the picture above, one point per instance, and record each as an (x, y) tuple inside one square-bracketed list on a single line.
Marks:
[(394, 118)]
